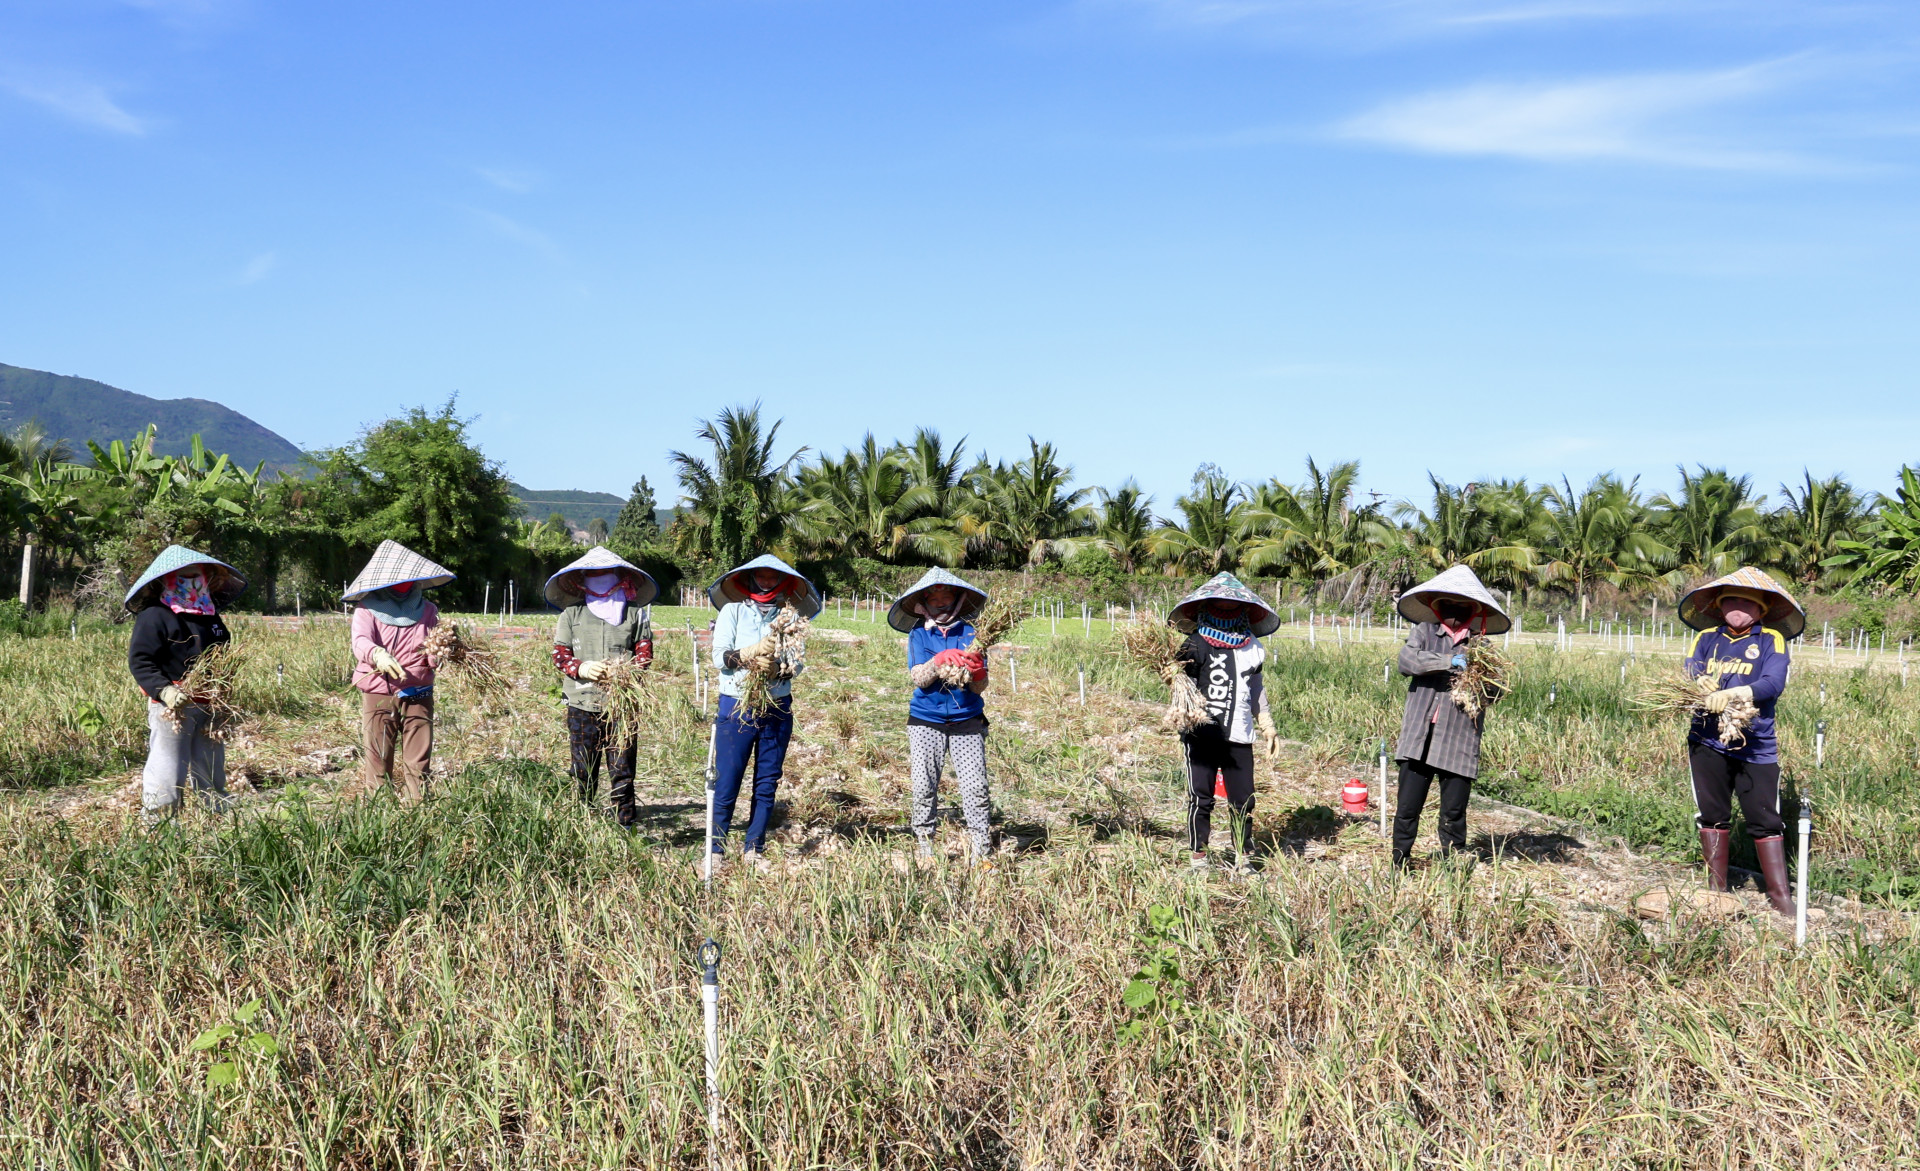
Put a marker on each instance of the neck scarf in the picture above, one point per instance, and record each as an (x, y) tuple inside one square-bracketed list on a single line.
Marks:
[(186, 595), (1225, 632), (768, 602), (607, 596), (391, 609)]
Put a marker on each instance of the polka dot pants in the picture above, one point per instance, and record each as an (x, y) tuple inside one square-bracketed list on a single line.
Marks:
[(931, 748)]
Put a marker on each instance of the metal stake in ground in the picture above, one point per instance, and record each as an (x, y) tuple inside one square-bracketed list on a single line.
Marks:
[(1800, 904), (710, 1005)]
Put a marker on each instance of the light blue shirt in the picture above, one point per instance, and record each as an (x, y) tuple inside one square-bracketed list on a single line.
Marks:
[(740, 625)]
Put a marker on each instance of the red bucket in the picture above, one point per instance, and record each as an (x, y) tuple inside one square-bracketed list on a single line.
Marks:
[(1353, 798)]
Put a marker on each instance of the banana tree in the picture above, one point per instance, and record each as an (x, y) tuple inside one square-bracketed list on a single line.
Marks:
[(1888, 551)]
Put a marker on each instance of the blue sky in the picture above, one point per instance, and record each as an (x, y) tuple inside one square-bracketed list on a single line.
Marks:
[(1480, 237)]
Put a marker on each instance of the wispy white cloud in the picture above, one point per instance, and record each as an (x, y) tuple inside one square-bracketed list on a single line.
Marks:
[(78, 100), (1339, 18), (518, 181), (256, 270), (1649, 118), (511, 229)]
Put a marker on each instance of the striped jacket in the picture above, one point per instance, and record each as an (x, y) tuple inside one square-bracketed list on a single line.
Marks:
[(1454, 745)]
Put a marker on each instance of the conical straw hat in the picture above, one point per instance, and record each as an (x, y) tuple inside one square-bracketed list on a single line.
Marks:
[(806, 598), (224, 585), (393, 563), (568, 587), (902, 618), (1416, 605), (1227, 587), (1700, 608)]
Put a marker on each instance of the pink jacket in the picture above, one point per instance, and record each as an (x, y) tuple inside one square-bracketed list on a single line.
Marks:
[(405, 643)]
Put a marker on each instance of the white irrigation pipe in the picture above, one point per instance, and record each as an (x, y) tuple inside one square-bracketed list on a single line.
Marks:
[(1383, 786), (710, 1009), (1083, 686), (712, 774), (1820, 742), (1800, 904)]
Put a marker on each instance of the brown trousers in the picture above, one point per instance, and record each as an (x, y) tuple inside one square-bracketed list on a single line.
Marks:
[(387, 721)]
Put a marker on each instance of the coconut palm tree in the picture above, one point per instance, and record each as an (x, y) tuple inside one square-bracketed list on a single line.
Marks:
[(1600, 534), (1208, 540), (1714, 525), (1812, 522), (864, 505), (1314, 530), (1124, 527), (1021, 512), (1483, 527), (736, 506)]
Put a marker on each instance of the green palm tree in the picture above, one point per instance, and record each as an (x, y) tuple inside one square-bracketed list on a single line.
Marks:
[(1713, 525), (736, 506), (1208, 539), (1600, 534), (1483, 527), (38, 476), (1314, 530), (1886, 553), (864, 505), (1019, 513), (1124, 525), (1812, 522)]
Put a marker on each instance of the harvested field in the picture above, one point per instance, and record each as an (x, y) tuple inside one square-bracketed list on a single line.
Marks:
[(501, 978)]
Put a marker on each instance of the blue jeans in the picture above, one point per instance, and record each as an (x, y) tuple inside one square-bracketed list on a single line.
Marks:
[(736, 737)]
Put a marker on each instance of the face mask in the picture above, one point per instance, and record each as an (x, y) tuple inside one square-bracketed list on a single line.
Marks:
[(186, 593)]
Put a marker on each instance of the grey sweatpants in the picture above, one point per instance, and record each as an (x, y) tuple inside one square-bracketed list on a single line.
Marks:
[(930, 748), (182, 757)]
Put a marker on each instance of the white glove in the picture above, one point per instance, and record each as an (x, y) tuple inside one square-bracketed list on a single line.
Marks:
[(384, 662), (592, 671), (172, 698), (1718, 701), (1268, 737)]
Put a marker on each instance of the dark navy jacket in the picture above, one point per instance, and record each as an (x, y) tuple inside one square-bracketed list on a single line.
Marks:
[(1757, 659), (941, 704)]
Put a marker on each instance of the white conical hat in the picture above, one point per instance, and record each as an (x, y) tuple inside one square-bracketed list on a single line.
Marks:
[(1416, 605), (393, 563), (805, 598), (566, 589), (901, 616)]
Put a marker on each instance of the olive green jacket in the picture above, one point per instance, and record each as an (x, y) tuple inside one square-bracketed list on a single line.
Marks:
[(586, 637)]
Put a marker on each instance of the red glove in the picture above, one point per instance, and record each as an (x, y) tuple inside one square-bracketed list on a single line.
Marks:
[(643, 652), (975, 663), (950, 656)]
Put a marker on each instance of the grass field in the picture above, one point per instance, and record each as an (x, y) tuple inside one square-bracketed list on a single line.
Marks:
[(501, 979)]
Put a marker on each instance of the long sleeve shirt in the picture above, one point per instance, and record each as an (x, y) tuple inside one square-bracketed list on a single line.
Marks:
[(940, 704), (738, 627), (1231, 683), (1434, 729), (164, 645), (407, 644), (1757, 659)]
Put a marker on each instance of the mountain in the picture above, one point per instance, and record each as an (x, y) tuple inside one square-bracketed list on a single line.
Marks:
[(79, 409), (578, 507)]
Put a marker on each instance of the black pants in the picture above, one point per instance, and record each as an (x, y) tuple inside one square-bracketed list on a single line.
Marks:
[(589, 740), (1717, 778), (1210, 754), (1416, 778)]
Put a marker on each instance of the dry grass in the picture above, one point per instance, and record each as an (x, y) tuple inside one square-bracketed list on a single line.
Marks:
[(469, 659), (1686, 695), (1157, 647), (498, 979), (212, 682), (1487, 676), (777, 656)]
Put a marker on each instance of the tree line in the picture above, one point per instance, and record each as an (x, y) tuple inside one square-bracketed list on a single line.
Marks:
[(82, 522)]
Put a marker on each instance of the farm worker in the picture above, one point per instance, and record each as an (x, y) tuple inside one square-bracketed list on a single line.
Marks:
[(176, 615), (603, 603), (945, 721), (391, 618), (1745, 620), (1224, 621), (748, 598), (1438, 741)]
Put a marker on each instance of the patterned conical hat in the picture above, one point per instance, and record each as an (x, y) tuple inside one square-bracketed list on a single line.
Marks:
[(1700, 608), (393, 563), (1416, 605), (1229, 587), (224, 585), (567, 588), (902, 618), (727, 590)]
